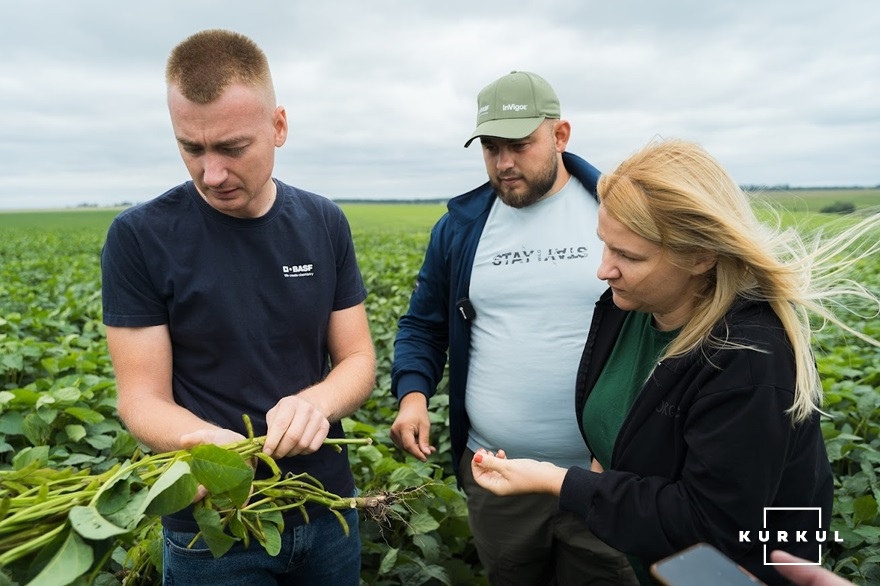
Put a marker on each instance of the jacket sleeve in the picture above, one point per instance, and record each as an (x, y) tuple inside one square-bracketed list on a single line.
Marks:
[(736, 441), (422, 340)]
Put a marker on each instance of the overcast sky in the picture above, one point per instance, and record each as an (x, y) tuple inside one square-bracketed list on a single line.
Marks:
[(381, 95)]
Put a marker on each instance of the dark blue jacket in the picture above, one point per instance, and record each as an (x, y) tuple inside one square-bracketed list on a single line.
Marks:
[(434, 322)]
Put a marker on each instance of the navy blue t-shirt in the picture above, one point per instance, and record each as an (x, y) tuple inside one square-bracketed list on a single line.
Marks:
[(247, 303)]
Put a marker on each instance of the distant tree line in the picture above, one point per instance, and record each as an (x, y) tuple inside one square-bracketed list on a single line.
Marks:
[(787, 187), (443, 200)]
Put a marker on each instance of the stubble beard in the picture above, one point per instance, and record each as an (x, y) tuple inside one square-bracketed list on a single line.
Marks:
[(535, 188)]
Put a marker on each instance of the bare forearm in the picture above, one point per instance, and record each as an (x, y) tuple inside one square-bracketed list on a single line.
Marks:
[(552, 479), (142, 361), (346, 388), (159, 424)]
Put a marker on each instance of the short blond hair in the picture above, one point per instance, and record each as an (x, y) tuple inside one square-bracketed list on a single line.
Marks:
[(204, 64)]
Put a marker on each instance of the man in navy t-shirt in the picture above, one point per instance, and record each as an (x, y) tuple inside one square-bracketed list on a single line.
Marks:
[(234, 294)]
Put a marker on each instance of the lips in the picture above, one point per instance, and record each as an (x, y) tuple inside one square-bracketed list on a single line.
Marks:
[(225, 194)]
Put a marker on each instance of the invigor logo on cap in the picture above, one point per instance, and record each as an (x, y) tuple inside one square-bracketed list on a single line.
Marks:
[(514, 106)]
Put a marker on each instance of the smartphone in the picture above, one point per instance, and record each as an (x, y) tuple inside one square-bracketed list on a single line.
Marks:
[(699, 565)]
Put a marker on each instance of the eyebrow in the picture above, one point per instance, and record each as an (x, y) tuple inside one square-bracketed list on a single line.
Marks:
[(619, 250), (236, 140)]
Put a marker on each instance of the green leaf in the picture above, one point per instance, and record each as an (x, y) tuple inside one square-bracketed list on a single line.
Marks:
[(429, 546), (222, 472), (13, 362), (439, 573), (406, 476), (104, 579), (85, 415), (269, 516), (89, 523), (272, 539), (238, 528), (12, 423), (36, 430), (212, 530), (129, 515), (124, 444), (100, 442), (369, 453), (31, 455), (389, 560), (421, 523), (115, 495), (155, 550), (173, 491), (45, 400), (75, 432), (48, 414), (870, 533), (864, 509), (73, 559), (67, 395), (850, 537)]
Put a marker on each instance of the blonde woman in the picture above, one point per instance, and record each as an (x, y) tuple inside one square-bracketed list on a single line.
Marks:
[(697, 389)]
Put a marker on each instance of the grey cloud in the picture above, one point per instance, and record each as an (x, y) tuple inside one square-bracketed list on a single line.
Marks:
[(381, 95)]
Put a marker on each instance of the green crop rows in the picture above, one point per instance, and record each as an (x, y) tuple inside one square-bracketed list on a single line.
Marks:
[(57, 397)]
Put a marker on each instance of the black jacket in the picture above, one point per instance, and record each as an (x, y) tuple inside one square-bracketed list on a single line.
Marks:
[(705, 448)]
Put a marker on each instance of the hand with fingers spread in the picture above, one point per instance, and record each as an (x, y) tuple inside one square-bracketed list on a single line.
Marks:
[(411, 430), (294, 427), (503, 476)]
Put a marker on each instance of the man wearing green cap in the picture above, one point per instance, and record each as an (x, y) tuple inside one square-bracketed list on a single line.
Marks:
[(506, 291)]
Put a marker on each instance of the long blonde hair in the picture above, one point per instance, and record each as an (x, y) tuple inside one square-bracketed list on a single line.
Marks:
[(673, 193)]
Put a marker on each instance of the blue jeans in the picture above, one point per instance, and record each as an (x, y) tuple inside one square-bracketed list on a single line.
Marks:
[(316, 553)]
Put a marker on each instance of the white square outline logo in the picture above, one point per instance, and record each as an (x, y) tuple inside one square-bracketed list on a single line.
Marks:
[(818, 510)]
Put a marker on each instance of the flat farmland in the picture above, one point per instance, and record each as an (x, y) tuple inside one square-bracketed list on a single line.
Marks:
[(362, 216), (57, 392), (814, 200)]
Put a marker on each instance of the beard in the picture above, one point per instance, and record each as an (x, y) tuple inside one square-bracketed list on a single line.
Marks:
[(533, 188)]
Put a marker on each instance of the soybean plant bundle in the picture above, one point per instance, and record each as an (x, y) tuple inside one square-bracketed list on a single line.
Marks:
[(58, 525)]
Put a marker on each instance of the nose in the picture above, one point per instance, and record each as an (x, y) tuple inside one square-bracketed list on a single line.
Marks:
[(215, 172), (505, 159), (606, 269)]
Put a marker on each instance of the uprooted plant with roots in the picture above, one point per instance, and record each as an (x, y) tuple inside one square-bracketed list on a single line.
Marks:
[(58, 525)]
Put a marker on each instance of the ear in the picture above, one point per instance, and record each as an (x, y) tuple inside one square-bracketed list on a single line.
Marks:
[(280, 124), (561, 134), (703, 263)]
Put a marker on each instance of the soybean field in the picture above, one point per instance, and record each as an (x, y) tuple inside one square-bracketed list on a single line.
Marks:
[(58, 418)]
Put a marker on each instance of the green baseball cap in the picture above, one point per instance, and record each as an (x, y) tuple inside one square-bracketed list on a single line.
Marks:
[(514, 106)]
